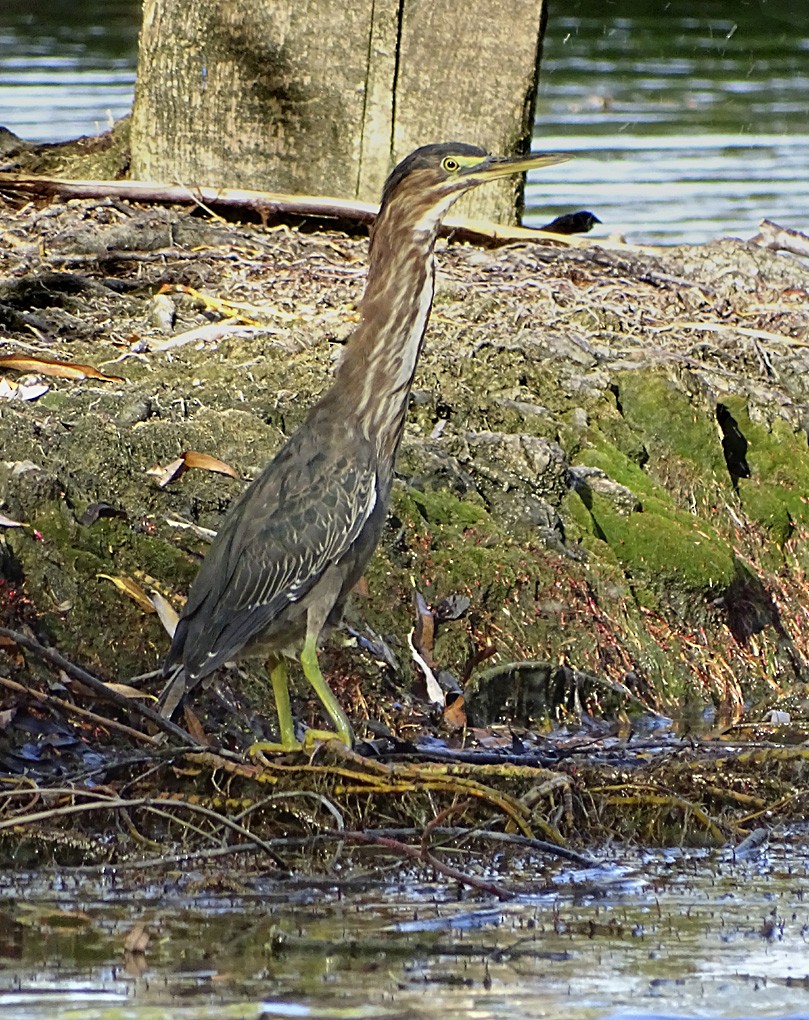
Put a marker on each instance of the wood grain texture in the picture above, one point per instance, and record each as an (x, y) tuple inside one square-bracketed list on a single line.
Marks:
[(323, 98)]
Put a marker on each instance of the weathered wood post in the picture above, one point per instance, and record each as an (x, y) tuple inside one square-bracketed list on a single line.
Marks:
[(323, 98)]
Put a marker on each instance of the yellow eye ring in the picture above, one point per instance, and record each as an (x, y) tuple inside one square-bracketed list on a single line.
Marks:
[(450, 164)]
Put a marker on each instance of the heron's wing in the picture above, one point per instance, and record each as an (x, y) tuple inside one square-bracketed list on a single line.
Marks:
[(302, 513)]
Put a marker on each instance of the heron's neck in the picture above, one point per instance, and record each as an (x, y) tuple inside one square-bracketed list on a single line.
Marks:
[(376, 373)]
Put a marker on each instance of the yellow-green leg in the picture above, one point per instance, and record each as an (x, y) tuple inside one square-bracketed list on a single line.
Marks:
[(311, 669), (286, 724), (280, 687)]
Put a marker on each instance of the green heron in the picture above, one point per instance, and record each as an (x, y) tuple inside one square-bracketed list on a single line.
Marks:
[(292, 547)]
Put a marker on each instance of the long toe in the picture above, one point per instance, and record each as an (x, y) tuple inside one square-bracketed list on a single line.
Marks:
[(262, 747), (312, 737)]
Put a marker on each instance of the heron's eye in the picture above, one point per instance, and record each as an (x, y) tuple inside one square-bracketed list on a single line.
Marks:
[(450, 164)]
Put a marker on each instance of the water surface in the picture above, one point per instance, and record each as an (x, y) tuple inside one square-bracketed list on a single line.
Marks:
[(66, 70), (659, 935), (691, 120)]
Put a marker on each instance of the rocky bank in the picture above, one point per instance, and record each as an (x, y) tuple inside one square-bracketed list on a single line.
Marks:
[(602, 487)]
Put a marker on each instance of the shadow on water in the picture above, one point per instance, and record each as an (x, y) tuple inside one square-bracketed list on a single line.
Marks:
[(663, 934)]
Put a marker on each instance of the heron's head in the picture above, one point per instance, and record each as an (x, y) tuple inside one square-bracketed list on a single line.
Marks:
[(429, 180)]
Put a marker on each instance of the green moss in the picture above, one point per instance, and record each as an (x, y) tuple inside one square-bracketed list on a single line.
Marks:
[(449, 546), (687, 457), (660, 545), (776, 493), (664, 549), (619, 467), (577, 518), (609, 424), (441, 507), (673, 424), (55, 400), (767, 506), (682, 437), (88, 618), (531, 603)]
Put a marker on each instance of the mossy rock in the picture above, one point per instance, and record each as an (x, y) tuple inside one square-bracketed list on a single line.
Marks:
[(67, 568), (530, 693), (775, 493), (679, 432)]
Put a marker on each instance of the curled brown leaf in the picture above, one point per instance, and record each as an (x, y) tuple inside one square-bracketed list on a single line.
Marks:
[(59, 369)]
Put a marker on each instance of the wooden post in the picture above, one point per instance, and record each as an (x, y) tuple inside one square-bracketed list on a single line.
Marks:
[(323, 98)]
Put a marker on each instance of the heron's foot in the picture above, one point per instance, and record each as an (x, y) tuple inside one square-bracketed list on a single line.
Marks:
[(342, 727), (286, 725), (310, 739), (262, 747)]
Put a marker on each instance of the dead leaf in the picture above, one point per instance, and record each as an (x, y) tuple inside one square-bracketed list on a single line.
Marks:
[(435, 694), (133, 590), (424, 633), (59, 369), (12, 650), (206, 533), (212, 332), (164, 475), (21, 390), (194, 726), (207, 463), (137, 938), (452, 607), (22, 467), (455, 714), (96, 510), (190, 459), (491, 741), (135, 965), (128, 692)]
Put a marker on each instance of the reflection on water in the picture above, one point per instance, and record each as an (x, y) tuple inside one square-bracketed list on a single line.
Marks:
[(690, 121), (665, 934)]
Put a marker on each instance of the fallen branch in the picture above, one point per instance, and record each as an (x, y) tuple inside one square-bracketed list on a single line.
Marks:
[(264, 203), (268, 205), (729, 327), (425, 856), (162, 806), (303, 842), (82, 713), (777, 238)]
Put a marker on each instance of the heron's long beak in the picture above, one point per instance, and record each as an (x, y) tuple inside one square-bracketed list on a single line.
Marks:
[(505, 166)]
